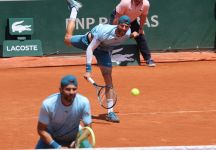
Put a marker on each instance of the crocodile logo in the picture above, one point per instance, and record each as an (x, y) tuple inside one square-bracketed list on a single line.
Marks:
[(17, 26), (118, 58)]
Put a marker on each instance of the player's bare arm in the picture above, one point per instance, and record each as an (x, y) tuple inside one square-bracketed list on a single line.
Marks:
[(142, 22), (117, 16), (42, 131)]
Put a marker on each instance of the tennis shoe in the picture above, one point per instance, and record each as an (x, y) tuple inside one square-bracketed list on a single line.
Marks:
[(75, 4), (150, 63), (112, 117)]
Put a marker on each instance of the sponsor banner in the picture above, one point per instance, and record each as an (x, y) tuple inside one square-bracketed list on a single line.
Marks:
[(21, 26), (126, 55), (170, 24), (22, 48)]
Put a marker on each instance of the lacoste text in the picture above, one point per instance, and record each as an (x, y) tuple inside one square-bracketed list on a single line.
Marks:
[(22, 48)]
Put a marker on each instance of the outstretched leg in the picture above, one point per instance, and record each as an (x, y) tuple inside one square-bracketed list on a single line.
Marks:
[(107, 75), (105, 64), (73, 6)]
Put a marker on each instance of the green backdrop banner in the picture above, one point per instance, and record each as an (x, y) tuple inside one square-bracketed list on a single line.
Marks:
[(171, 24), (22, 48)]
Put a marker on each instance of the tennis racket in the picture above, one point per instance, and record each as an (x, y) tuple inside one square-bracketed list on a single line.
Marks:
[(87, 138), (106, 94)]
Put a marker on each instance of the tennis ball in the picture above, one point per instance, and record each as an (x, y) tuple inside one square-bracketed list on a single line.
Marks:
[(135, 91)]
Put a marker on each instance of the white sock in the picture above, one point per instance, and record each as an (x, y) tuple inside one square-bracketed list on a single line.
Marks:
[(73, 14), (110, 104), (80, 127)]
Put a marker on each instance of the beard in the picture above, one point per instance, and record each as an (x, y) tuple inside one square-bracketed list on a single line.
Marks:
[(69, 98), (121, 32)]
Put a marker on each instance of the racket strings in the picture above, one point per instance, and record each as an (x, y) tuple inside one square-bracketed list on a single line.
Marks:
[(102, 95), (89, 140), (107, 97)]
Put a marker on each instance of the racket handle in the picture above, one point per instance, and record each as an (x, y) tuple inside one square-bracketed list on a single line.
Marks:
[(91, 80)]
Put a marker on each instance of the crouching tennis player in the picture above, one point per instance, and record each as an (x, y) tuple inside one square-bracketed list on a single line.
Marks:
[(60, 116)]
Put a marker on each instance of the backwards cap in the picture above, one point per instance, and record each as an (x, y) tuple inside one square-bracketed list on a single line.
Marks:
[(69, 79), (124, 19)]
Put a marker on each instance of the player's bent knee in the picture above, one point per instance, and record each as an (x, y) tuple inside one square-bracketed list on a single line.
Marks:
[(67, 40)]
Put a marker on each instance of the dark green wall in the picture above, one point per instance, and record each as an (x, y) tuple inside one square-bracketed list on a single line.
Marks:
[(175, 24)]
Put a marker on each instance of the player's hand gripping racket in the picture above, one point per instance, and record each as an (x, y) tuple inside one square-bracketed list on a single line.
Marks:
[(86, 138), (106, 94)]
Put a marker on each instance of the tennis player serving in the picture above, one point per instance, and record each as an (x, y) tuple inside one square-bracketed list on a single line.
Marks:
[(99, 42)]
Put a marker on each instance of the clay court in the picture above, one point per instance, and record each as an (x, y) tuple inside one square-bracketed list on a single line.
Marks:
[(176, 107)]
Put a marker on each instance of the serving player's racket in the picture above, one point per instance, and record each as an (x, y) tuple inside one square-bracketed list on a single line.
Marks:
[(106, 94), (87, 139)]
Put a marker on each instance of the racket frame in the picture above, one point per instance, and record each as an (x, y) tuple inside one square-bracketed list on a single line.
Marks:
[(92, 135), (98, 90)]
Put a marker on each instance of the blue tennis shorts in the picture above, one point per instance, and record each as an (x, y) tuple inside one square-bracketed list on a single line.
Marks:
[(103, 57)]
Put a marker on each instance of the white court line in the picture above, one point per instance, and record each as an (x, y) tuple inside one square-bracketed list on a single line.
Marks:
[(199, 147), (171, 112), (206, 147)]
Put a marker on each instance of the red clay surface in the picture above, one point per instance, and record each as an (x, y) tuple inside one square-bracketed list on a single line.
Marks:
[(177, 104)]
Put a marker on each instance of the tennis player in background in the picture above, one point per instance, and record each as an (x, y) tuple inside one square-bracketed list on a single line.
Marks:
[(60, 116), (74, 7), (135, 9), (99, 42)]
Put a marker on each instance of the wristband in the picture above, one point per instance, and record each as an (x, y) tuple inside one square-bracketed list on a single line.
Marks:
[(54, 144), (88, 68)]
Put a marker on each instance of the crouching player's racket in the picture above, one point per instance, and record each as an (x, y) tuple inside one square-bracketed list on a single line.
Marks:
[(106, 94), (87, 138)]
